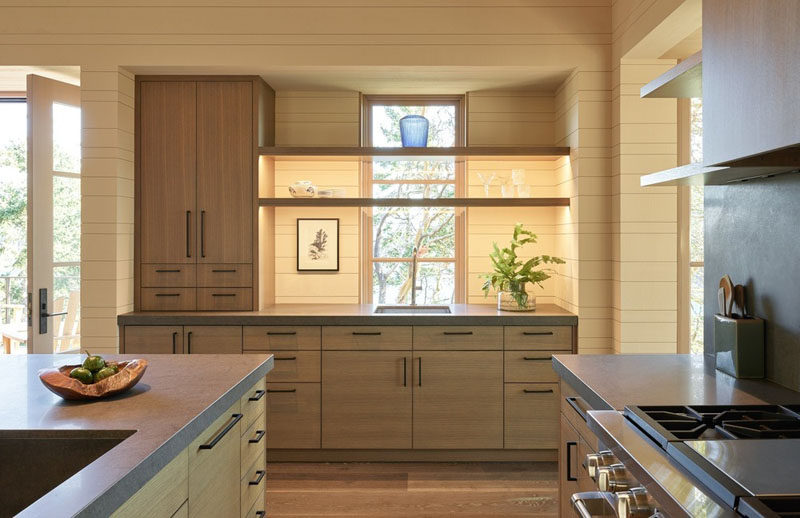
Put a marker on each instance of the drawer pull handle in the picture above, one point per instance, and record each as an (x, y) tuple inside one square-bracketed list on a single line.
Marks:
[(223, 271), (164, 270), (259, 435), (223, 294), (260, 476), (405, 369), (537, 358), (281, 333), (531, 391), (189, 342), (235, 418), (188, 226), (569, 445), (537, 333), (202, 233), (458, 332), (261, 514), (366, 333), (286, 391), (174, 341), (168, 294), (257, 395), (285, 359)]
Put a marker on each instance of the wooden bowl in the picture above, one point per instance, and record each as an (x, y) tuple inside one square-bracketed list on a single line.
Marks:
[(59, 382)]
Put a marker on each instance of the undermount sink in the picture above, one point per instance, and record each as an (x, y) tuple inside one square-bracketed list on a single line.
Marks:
[(424, 310)]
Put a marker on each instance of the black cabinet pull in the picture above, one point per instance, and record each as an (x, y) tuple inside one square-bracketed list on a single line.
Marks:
[(261, 514), (260, 393), (366, 333), (405, 368), (285, 391), (189, 342), (259, 435), (419, 378), (537, 333), (285, 358), (174, 341), (168, 294), (188, 233), (537, 358), (570, 444), (164, 270), (259, 478), (531, 391), (223, 294), (458, 332), (235, 418), (281, 333), (223, 271), (202, 233)]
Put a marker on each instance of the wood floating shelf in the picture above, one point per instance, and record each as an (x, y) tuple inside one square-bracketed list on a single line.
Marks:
[(377, 153), (684, 80), (407, 202), (697, 174)]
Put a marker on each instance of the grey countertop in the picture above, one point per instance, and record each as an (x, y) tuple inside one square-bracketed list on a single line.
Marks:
[(178, 397), (354, 314)]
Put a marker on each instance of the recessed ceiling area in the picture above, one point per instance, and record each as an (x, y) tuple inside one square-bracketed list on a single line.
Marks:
[(13, 78), (390, 80)]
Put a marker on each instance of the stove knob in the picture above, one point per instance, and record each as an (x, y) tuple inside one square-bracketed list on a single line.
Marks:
[(595, 460), (633, 504), (614, 478)]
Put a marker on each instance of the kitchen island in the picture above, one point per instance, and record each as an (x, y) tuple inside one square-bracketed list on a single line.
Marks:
[(598, 388), (106, 452)]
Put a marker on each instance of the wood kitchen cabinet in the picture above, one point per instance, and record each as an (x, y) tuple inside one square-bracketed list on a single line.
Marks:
[(197, 141), (152, 340), (366, 399), (458, 400), (213, 339)]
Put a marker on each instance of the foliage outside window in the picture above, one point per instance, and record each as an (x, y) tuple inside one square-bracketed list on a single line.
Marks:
[(696, 264), (396, 231)]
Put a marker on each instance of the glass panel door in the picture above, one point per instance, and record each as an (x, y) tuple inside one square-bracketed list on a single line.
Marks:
[(54, 212)]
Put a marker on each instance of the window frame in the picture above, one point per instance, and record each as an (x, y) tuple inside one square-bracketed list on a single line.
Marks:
[(367, 182)]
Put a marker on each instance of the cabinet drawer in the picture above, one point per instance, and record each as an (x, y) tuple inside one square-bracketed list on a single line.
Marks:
[(224, 299), (531, 415), (253, 443), (258, 509), (458, 338), (254, 483), (168, 299), (294, 415), (367, 338), (282, 338), (530, 366), (253, 403), (538, 337), (225, 275), (295, 366), (153, 339), (213, 339), (168, 275)]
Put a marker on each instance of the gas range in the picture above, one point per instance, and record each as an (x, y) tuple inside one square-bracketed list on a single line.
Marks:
[(747, 455)]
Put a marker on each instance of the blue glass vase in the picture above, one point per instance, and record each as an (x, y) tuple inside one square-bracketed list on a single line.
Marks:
[(414, 131)]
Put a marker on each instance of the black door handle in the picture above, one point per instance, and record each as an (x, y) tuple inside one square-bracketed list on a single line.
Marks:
[(405, 368), (419, 378), (366, 333), (457, 332), (286, 359), (189, 342), (188, 233), (537, 333), (223, 271), (285, 391), (570, 444), (174, 341), (235, 418), (162, 270), (281, 333), (202, 233), (259, 478), (257, 438), (537, 358), (257, 395), (531, 391)]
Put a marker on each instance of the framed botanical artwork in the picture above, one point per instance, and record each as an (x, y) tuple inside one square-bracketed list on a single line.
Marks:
[(317, 244)]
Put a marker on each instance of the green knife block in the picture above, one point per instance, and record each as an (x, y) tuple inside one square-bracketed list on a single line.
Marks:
[(739, 346)]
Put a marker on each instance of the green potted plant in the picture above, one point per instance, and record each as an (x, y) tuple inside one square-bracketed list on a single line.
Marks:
[(511, 274)]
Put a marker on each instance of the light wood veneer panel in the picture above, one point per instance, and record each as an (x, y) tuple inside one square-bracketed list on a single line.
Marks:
[(530, 366), (367, 338), (295, 366), (531, 415), (282, 338), (458, 338), (168, 275), (293, 411), (538, 338)]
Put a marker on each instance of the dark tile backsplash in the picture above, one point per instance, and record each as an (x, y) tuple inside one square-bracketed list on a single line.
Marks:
[(752, 233)]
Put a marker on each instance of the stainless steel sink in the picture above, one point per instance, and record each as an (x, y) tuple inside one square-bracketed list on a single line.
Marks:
[(420, 310)]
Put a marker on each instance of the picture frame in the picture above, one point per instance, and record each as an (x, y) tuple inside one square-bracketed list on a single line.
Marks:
[(317, 244)]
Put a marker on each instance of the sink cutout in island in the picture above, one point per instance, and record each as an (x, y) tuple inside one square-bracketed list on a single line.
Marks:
[(411, 310), (36, 461)]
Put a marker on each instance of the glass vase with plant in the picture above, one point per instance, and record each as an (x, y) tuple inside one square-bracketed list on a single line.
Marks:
[(512, 274)]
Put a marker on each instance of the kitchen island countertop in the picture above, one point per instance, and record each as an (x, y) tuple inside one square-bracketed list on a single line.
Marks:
[(178, 397), (354, 314)]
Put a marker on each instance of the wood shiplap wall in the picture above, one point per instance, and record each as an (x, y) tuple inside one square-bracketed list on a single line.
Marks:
[(327, 118), (510, 118)]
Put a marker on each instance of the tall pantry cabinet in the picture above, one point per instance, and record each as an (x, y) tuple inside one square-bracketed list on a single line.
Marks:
[(197, 139)]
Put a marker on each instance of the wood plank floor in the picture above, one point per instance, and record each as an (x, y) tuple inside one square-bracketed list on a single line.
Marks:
[(470, 489)]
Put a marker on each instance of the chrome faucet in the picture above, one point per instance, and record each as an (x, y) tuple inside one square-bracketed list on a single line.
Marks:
[(414, 286)]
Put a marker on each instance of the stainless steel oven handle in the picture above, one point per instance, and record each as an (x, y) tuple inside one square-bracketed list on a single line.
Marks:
[(592, 504), (579, 405)]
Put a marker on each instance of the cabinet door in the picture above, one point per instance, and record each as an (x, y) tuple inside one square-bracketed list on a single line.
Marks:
[(531, 415), (458, 400), (366, 399), (214, 468), (213, 339), (225, 171), (167, 154), (153, 339), (567, 466), (293, 415)]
